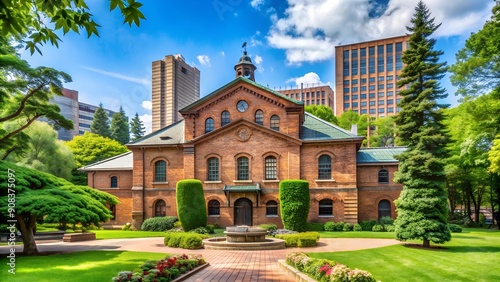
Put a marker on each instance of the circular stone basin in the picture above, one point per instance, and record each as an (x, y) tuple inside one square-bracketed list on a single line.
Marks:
[(255, 235), (220, 243)]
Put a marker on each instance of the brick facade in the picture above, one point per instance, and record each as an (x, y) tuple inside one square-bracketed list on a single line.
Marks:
[(352, 189)]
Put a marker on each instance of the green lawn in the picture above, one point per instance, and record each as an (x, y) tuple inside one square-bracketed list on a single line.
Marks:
[(470, 256), (86, 266)]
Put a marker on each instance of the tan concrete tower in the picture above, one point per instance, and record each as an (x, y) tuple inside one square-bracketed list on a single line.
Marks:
[(175, 84)]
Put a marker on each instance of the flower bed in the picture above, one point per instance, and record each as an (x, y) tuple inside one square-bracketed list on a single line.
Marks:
[(164, 270), (323, 270)]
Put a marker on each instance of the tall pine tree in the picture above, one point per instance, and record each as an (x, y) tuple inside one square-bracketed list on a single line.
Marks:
[(100, 124), (137, 127), (119, 127), (422, 206)]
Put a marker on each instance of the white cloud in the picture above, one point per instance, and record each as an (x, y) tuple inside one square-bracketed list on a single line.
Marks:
[(142, 81), (148, 105), (204, 60), (258, 63), (308, 79), (310, 30), (258, 59), (256, 4), (147, 120)]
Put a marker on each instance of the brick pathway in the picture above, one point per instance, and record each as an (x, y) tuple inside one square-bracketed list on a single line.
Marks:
[(225, 266)]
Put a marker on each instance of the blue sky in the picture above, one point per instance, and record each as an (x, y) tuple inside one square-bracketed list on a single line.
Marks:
[(289, 41)]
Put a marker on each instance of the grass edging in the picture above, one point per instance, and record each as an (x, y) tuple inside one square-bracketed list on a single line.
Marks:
[(291, 271)]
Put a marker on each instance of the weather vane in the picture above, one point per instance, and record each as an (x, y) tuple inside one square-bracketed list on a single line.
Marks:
[(244, 46)]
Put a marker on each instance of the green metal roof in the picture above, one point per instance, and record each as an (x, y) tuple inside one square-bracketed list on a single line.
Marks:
[(315, 128), (236, 80), (379, 155), (242, 188)]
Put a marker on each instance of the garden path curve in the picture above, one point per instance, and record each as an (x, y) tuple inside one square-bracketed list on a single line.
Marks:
[(224, 266)]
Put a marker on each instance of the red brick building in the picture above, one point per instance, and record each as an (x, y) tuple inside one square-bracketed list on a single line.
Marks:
[(241, 141)]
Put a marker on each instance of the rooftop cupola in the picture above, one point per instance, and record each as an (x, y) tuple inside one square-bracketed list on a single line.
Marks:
[(245, 67)]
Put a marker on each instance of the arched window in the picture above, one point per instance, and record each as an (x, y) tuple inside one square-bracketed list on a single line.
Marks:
[(275, 122), (243, 168), (324, 167), (213, 169), (225, 118), (114, 182), (213, 207), (271, 208), (160, 208), (271, 168), (259, 117), (325, 207), (209, 125), (383, 176), (384, 208), (161, 171)]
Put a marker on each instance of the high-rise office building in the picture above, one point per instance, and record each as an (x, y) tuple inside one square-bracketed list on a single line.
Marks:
[(81, 114), (311, 95), (86, 116), (175, 85), (366, 74)]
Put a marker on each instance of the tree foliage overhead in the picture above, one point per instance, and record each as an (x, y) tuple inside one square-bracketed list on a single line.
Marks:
[(42, 197), (323, 112), (100, 124), (137, 128), (25, 93), (422, 206), (477, 69), (36, 22), (119, 127)]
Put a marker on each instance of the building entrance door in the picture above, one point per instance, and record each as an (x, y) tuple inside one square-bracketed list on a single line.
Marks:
[(243, 212)]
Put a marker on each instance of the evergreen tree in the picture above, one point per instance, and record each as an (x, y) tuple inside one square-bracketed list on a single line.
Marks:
[(422, 206), (119, 127), (136, 127), (100, 124)]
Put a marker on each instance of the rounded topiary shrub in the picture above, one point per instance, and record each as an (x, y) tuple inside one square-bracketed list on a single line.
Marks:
[(294, 204), (357, 227), (377, 228), (191, 207)]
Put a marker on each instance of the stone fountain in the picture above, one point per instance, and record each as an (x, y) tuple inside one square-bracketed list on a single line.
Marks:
[(244, 238)]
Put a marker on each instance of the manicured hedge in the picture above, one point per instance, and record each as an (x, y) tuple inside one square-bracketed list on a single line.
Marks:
[(184, 240), (191, 207), (159, 223), (306, 239), (294, 204)]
